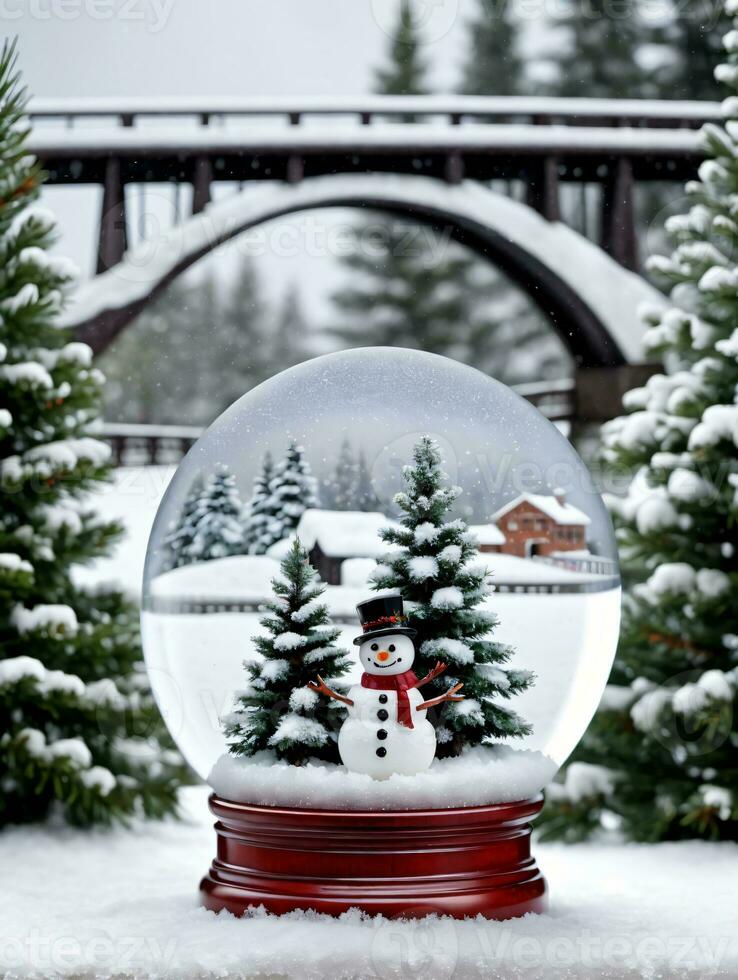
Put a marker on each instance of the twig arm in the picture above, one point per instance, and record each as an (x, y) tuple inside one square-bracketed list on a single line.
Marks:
[(322, 688), (431, 675), (450, 695)]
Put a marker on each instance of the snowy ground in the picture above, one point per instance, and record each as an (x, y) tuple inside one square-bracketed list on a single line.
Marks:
[(124, 903), (132, 498)]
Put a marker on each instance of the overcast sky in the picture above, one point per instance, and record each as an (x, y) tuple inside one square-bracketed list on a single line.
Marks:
[(235, 47), (72, 48)]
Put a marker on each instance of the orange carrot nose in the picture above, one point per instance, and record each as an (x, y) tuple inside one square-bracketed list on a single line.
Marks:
[(382, 656)]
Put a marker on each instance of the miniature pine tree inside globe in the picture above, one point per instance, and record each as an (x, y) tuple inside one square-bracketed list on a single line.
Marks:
[(432, 567), (279, 710)]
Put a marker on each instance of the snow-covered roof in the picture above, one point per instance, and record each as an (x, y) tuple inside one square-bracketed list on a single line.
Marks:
[(343, 533), (561, 512), (487, 534)]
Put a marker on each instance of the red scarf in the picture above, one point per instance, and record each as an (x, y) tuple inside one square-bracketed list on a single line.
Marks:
[(395, 682)]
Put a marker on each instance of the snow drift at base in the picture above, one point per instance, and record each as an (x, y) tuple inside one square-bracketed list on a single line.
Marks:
[(482, 775), (124, 903)]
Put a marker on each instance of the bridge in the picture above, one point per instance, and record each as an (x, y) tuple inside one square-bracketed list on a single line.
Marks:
[(538, 142), (490, 171)]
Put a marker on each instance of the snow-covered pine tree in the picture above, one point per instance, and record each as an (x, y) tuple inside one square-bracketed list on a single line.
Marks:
[(431, 565), (218, 530), (405, 71), (505, 333), (693, 44), (75, 712), (344, 483), (366, 497), (174, 329), (178, 540), (294, 491), (600, 54), (241, 359), (660, 753), (260, 510), (413, 290), (493, 65), (289, 334), (278, 711)]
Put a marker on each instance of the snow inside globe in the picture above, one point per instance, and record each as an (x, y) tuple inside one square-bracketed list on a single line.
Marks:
[(380, 580)]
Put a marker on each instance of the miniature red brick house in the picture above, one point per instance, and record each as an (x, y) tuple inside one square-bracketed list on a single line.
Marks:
[(541, 524)]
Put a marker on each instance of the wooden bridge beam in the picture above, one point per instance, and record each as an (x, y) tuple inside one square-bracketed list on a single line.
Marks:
[(542, 190), (454, 168), (113, 237), (295, 168), (598, 391), (618, 233), (201, 183)]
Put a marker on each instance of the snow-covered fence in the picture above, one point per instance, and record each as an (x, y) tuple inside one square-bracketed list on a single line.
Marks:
[(590, 564), (342, 611), (552, 588), (135, 444)]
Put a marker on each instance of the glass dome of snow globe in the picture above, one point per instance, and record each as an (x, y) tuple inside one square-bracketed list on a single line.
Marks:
[(521, 556)]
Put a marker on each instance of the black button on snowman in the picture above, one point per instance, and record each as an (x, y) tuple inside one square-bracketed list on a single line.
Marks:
[(387, 706)]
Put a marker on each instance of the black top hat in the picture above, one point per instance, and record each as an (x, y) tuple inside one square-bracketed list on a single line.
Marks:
[(381, 616)]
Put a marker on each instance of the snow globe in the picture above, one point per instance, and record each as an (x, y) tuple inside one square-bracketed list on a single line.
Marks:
[(381, 602)]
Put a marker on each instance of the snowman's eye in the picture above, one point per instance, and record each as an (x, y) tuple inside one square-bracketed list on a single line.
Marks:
[(375, 646), (391, 648)]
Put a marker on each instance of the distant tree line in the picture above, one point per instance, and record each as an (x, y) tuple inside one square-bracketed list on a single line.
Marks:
[(214, 522), (201, 345)]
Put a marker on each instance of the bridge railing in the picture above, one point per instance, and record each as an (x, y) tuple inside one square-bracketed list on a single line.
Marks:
[(528, 145), (455, 109), (554, 399), (141, 444), (135, 444)]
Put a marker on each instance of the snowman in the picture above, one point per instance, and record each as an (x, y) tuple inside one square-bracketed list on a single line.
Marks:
[(387, 730)]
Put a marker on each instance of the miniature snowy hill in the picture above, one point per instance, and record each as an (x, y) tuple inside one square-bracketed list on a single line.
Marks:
[(246, 579), (239, 581), (481, 775), (239, 578)]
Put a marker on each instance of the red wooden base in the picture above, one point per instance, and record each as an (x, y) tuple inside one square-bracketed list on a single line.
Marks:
[(468, 861)]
